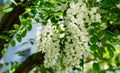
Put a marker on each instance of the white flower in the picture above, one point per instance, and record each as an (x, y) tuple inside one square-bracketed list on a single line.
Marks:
[(99, 0), (47, 42), (73, 39), (94, 10), (98, 18), (83, 8)]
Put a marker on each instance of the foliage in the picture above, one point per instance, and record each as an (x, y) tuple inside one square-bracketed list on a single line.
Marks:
[(84, 26)]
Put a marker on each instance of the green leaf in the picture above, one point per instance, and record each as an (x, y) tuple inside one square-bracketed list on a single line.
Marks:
[(81, 62), (94, 47), (27, 10), (111, 50), (48, 17), (118, 63), (95, 24), (13, 43), (3, 51), (4, 37), (16, 26), (1, 65), (100, 51), (6, 63), (94, 31), (101, 33), (12, 31), (96, 55), (43, 69), (14, 2), (8, 9), (19, 37), (52, 1), (111, 47), (103, 40), (24, 22), (23, 32), (103, 49), (96, 66), (107, 3), (91, 31), (93, 40), (29, 27), (111, 54), (29, 20), (53, 20), (76, 68), (114, 40)]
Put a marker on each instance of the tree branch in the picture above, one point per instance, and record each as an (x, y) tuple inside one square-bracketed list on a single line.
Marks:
[(31, 62), (112, 28), (11, 18)]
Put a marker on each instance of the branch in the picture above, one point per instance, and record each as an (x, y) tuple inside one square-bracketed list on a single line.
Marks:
[(11, 18), (112, 28), (31, 62)]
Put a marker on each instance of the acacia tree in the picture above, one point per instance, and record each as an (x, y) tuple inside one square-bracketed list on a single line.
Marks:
[(69, 31)]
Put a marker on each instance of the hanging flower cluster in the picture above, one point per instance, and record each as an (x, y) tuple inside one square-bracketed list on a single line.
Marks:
[(77, 35), (48, 42), (69, 45)]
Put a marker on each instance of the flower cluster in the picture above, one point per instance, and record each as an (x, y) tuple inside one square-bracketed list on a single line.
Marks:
[(77, 35), (47, 41), (74, 46), (71, 43)]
